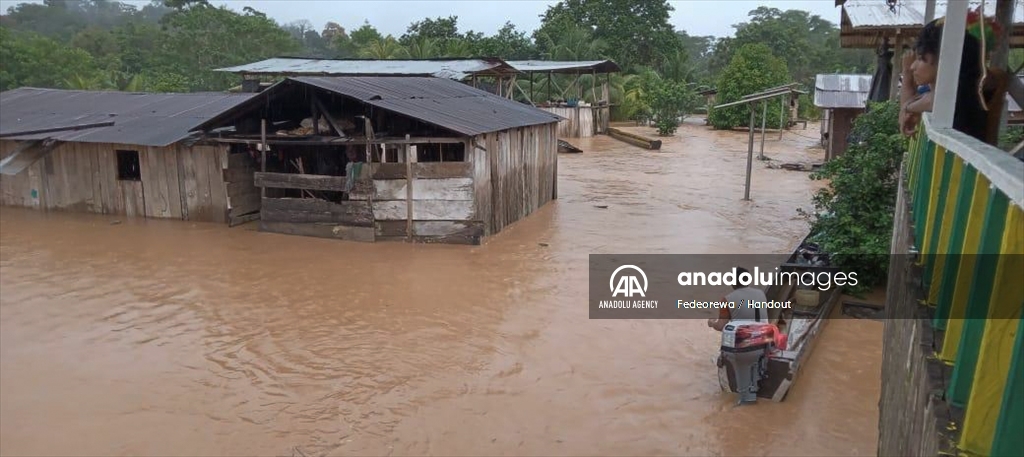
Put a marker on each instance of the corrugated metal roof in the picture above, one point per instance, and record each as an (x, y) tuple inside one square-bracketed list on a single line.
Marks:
[(841, 91), (445, 103), (457, 69), (600, 66), (876, 13), (139, 118)]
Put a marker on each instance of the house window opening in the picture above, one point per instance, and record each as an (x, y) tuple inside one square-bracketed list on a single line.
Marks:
[(441, 152), (128, 168)]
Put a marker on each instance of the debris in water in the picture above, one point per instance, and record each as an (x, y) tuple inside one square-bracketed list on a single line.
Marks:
[(601, 206), (115, 222), (543, 244)]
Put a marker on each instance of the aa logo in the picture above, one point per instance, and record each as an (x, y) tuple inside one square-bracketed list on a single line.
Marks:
[(627, 284)]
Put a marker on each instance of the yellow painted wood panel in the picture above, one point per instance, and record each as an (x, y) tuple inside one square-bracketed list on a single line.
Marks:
[(995, 353), (933, 192), (945, 228), (972, 242)]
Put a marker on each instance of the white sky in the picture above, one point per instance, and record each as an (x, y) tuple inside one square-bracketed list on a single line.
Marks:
[(696, 17)]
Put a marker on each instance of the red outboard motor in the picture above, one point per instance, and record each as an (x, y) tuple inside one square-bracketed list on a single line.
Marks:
[(744, 356)]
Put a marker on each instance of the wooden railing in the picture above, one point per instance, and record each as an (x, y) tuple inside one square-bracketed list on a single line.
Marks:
[(967, 204)]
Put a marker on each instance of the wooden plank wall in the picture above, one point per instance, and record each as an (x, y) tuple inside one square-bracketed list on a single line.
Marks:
[(348, 220), (523, 172), (242, 193), (578, 122), (176, 182), (23, 189), (442, 197)]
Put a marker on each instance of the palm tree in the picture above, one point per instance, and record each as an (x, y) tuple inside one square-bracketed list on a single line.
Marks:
[(383, 48), (423, 48)]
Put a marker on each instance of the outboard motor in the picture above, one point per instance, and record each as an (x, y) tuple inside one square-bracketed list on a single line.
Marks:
[(743, 361)]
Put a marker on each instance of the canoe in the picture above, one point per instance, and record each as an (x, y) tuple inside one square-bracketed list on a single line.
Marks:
[(566, 147), (801, 324)]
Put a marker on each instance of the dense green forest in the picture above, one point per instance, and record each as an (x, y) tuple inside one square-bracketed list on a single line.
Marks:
[(172, 46)]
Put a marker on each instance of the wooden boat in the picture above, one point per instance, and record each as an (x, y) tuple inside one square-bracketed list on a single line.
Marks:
[(801, 324), (566, 147)]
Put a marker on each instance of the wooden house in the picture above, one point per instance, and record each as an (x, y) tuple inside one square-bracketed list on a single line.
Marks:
[(841, 98), (118, 153), (391, 157)]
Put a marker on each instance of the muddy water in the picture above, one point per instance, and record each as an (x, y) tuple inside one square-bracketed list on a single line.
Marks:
[(172, 338)]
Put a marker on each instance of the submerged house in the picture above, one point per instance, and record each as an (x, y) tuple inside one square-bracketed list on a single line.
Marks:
[(391, 157), (841, 98), (118, 153)]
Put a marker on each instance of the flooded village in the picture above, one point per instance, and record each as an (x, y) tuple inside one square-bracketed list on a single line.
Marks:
[(384, 247), (205, 339)]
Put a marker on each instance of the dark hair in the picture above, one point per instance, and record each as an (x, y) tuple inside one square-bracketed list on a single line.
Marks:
[(969, 116), (740, 271)]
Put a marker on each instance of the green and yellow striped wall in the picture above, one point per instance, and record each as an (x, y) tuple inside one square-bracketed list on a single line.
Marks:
[(970, 236)]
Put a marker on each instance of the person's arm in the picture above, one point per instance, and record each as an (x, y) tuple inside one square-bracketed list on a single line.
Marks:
[(908, 90), (723, 318)]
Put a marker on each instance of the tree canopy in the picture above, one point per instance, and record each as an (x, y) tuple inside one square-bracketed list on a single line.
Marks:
[(173, 45)]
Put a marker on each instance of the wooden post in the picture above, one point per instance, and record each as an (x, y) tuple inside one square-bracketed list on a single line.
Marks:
[(410, 157), (782, 115), (315, 116), (764, 119), (263, 151), (531, 89), (953, 32), (897, 62), (1000, 58), (549, 86), (750, 152)]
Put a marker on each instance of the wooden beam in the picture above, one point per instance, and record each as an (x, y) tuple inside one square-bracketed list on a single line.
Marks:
[(263, 152), (302, 210), (327, 115), (335, 141), (410, 153), (299, 181), (320, 230), (26, 154), (636, 140), (57, 129)]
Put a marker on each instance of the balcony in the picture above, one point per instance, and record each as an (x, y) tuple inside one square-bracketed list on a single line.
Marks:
[(964, 209)]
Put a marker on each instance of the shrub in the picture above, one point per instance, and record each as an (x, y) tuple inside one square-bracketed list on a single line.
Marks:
[(670, 102), (753, 69), (854, 215)]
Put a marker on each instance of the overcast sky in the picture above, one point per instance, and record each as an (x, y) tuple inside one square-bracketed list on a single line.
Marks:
[(696, 17)]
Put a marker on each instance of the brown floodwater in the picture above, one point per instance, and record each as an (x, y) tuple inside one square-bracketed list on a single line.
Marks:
[(155, 337)]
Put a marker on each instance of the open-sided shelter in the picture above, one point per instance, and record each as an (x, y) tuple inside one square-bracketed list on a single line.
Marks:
[(475, 71), (373, 158), (581, 119), (116, 153)]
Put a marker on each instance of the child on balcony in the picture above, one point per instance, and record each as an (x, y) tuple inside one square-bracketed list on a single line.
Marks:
[(920, 68)]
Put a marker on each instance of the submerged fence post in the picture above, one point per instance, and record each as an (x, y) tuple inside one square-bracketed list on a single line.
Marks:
[(410, 157), (750, 151), (263, 151), (764, 118)]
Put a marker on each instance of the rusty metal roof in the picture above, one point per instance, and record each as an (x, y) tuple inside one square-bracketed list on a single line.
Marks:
[(146, 119), (442, 102), (457, 69), (864, 23), (841, 91), (876, 13), (553, 66)]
